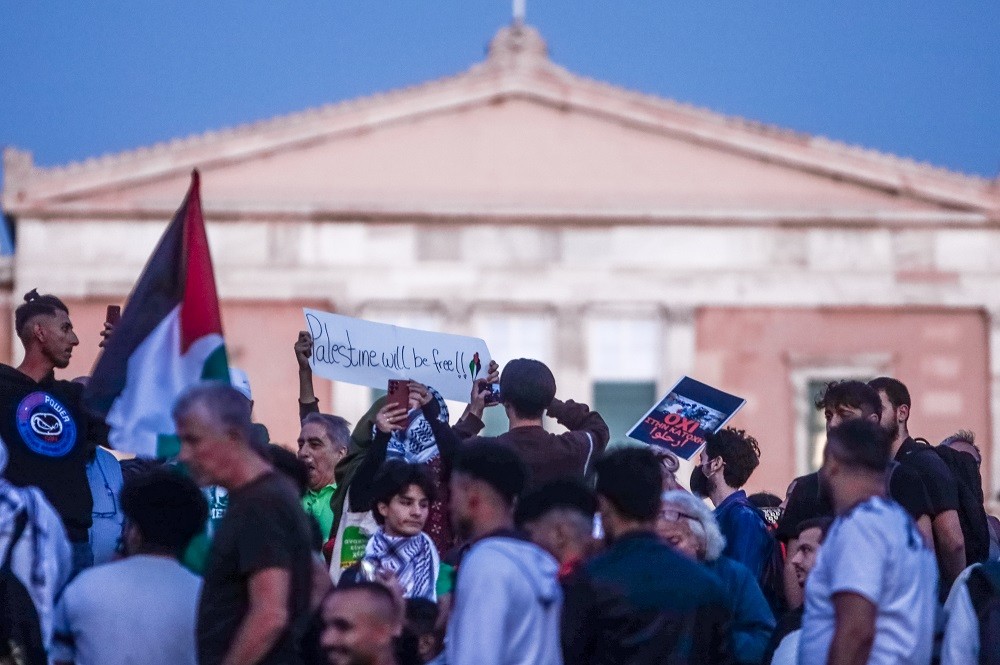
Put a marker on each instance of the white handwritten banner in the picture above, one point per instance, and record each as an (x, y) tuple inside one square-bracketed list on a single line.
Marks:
[(369, 354)]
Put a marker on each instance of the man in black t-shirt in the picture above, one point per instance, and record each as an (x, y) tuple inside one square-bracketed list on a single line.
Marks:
[(255, 601), (840, 402), (939, 482), (49, 436)]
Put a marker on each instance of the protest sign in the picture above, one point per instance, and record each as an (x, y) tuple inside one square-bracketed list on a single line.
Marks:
[(369, 354), (682, 420)]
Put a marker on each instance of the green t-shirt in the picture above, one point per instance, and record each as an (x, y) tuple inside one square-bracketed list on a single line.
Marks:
[(446, 580), (317, 504)]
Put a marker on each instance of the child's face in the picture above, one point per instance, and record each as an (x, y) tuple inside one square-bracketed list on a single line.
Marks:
[(406, 513)]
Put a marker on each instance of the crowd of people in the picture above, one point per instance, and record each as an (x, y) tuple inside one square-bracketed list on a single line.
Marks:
[(409, 539)]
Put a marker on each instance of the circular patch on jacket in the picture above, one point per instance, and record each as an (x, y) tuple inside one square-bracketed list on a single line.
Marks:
[(46, 425)]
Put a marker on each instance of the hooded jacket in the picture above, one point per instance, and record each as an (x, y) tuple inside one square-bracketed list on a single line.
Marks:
[(48, 437), (507, 606)]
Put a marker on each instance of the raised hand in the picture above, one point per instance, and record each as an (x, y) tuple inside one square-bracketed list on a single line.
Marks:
[(419, 395), (303, 350), (390, 418), (493, 374), (106, 334)]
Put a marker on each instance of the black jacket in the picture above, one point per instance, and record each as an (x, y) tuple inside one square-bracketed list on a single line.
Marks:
[(639, 602)]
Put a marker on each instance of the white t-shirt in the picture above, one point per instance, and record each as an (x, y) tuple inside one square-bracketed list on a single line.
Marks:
[(877, 552), (787, 652), (961, 635), (138, 610)]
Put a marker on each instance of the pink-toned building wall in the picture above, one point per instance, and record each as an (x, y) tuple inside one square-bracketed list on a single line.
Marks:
[(941, 355)]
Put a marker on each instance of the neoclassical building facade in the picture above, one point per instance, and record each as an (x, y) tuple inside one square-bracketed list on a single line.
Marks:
[(624, 239)]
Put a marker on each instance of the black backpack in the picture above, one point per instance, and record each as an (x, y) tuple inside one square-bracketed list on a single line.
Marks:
[(984, 591), (971, 512), (20, 629)]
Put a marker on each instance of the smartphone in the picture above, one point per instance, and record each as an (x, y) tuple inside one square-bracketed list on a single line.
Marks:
[(398, 393), (114, 314), (494, 396)]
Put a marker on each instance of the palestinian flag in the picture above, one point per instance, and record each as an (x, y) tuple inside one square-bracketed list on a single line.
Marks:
[(169, 338)]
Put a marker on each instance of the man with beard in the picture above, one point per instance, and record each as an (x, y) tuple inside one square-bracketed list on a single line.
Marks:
[(361, 624), (323, 442), (939, 482), (728, 460), (49, 436), (840, 402), (507, 597), (871, 597)]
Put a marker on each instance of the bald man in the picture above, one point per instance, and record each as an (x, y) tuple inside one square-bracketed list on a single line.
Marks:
[(360, 625)]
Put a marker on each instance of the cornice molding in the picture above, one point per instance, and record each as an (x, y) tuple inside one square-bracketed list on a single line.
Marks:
[(517, 67)]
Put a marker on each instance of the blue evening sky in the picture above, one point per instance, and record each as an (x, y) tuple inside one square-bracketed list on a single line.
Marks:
[(918, 78)]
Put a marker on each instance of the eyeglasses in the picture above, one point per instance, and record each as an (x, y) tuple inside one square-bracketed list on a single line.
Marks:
[(671, 515)]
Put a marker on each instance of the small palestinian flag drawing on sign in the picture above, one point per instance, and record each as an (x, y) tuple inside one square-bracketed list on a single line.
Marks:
[(475, 366)]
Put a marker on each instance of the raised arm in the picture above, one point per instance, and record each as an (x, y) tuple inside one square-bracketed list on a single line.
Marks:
[(447, 439), (307, 396), (388, 420), (471, 423), (586, 427)]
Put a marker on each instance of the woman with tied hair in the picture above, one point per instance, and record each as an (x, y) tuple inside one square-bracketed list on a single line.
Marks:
[(686, 524)]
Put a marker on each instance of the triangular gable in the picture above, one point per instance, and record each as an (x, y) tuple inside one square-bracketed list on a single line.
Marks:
[(515, 134)]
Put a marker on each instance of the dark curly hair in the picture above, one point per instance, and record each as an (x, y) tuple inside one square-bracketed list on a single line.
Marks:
[(394, 477), (738, 450)]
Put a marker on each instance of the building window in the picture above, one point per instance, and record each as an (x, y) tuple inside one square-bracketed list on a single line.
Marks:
[(621, 404), (624, 360), (517, 336), (624, 350)]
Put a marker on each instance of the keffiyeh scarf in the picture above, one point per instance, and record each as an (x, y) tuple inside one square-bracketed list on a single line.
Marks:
[(416, 444), (413, 560), (35, 559)]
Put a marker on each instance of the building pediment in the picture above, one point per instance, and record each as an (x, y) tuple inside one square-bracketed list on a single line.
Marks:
[(515, 136)]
